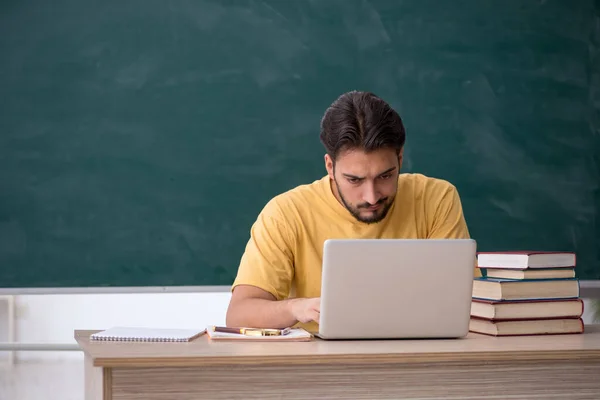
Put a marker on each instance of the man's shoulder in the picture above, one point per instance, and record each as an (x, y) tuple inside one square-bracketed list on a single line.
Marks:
[(296, 199), (423, 184)]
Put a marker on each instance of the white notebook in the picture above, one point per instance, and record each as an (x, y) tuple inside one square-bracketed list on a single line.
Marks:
[(294, 335), (139, 334)]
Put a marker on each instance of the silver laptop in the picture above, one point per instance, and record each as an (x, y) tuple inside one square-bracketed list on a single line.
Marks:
[(396, 288)]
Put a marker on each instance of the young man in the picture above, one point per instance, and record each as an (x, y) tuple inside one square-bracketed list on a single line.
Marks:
[(363, 195)]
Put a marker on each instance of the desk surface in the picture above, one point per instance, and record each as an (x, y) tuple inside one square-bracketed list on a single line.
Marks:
[(473, 347)]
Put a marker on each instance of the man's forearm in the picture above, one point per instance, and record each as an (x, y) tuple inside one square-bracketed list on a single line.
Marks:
[(261, 313)]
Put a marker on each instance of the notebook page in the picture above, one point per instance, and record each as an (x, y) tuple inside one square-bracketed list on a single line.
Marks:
[(141, 334)]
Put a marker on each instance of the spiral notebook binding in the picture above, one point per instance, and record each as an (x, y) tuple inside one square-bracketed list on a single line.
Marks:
[(135, 339)]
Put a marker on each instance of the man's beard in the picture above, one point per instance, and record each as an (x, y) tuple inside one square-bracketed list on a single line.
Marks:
[(375, 216)]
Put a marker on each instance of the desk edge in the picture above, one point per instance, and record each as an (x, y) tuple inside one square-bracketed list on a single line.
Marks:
[(353, 359), (344, 358)]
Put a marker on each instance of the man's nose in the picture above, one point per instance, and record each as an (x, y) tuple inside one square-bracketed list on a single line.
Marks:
[(370, 194)]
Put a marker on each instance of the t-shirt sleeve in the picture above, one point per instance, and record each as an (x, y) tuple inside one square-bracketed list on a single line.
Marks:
[(268, 261), (449, 221)]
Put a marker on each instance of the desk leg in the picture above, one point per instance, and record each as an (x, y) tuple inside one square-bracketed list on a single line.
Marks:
[(98, 381)]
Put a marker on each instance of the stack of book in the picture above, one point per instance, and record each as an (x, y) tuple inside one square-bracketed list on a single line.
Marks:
[(526, 293)]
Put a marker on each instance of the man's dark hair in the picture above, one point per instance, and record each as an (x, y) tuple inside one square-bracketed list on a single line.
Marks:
[(361, 120)]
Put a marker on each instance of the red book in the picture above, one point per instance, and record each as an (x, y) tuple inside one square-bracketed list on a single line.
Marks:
[(526, 309), (551, 326)]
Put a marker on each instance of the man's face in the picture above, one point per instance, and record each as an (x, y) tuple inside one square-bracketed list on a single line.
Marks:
[(365, 183)]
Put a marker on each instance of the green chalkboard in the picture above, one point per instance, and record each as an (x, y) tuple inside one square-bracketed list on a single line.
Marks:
[(140, 139)]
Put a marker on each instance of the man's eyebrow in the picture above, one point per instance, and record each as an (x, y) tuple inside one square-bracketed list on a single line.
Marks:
[(387, 171), (353, 176)]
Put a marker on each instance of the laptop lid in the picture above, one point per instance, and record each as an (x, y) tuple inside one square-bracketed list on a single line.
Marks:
[(396, 288)]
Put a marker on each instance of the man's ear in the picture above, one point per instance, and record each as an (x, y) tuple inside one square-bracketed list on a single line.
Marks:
[(329, 166)]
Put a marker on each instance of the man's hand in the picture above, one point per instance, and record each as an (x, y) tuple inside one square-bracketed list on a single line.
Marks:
[(253, 307), (306, 310)]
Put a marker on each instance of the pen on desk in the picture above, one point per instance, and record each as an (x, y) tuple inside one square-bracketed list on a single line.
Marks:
[(228, 330), (252, 331)]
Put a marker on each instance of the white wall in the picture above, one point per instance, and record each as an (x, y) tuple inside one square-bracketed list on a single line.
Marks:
[(53, 318)]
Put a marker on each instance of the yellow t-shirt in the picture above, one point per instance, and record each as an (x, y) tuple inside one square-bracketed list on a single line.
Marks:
[(285, 250)]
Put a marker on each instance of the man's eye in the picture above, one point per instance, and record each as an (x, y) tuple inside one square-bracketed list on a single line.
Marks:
[(353, 180), (386, 176)]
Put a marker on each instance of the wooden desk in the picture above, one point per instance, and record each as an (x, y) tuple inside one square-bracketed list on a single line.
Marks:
[(544, 367)]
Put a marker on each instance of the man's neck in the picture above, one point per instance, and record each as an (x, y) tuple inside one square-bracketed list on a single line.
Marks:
[(336, 193)]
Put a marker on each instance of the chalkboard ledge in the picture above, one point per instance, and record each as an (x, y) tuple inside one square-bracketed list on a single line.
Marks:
[(590, 289)]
